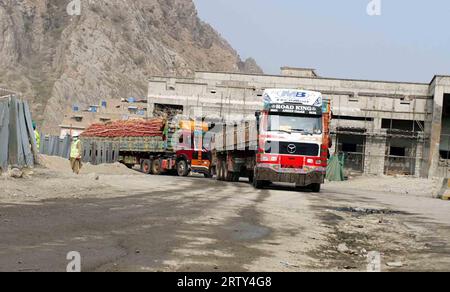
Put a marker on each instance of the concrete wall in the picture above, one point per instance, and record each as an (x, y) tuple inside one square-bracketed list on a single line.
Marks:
[(439, 86)]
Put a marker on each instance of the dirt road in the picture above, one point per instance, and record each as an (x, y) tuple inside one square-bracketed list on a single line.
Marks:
[(132, 222)]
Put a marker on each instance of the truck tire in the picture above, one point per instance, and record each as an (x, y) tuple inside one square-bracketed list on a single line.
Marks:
[(146, 166), (219, 170), (156, 167), (228, 174), (182, 168), (315, 188), (251, 178), (224, 171), (259, 184), (299, 188), (208, 174)]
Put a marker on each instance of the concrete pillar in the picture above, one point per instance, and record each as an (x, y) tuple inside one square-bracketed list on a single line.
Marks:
[(436, 129), (374, 156), (150, 109), (377, 123), (419, 159)]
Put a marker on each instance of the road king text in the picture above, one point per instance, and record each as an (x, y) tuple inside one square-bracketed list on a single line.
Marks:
[(226, 282)]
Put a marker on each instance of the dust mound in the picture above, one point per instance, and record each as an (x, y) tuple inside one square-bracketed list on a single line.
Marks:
[(62, 165)]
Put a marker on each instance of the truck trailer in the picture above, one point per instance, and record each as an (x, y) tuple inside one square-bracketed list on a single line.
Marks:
[(288, 141), (157, 146)]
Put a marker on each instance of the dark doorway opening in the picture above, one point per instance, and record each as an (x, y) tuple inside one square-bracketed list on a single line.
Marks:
[(398, 151), (444, 147), (351, 143), (401, 156), (167, 110), (346, 147)]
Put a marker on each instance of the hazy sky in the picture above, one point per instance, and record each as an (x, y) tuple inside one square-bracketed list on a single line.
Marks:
[(410, 41)]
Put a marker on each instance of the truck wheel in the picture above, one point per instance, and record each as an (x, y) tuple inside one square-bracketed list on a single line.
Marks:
[(208, 174), (315, 188), (219, 170), (299, 188), (258, 184), (251, 178), (223, 171), (182, 168), (146, 166), (228, 174), (156, 167)]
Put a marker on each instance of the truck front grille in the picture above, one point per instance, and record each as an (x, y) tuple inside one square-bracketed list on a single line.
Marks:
[(288, 148)]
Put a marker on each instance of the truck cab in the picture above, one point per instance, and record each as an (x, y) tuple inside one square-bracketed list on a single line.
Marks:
[(288, 142), (192, 155), (293, 139)]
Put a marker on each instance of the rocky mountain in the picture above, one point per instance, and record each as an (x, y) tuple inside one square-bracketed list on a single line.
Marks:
[(109, 50)]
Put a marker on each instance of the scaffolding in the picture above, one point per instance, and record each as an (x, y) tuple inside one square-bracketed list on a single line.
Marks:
[(403, 146)]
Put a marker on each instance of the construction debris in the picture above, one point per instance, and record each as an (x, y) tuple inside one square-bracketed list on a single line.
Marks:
[(15, 173), (395, 265), (342, 248)]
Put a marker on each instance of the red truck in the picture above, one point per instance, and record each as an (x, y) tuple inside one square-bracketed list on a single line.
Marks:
[(287, 142), (157, 146)]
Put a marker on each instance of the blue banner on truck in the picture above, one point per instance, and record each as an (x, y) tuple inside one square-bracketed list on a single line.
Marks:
[(296, 109)]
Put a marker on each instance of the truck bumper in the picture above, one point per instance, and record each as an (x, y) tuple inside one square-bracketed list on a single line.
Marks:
[(200, 169), (299, 177)]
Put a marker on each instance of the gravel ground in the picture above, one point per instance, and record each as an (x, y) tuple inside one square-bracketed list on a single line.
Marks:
[(396, 185), (121, 220)]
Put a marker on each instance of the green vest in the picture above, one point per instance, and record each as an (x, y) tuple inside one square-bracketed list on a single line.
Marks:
[(74, 151), (38, 139)]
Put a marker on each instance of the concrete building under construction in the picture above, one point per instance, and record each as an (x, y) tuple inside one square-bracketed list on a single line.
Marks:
[(380, 127)]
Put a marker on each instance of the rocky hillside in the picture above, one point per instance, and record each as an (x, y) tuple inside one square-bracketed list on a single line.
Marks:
[(109, 50)]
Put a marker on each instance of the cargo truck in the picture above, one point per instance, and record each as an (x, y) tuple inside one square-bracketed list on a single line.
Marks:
[(177, 150), (287, 142)]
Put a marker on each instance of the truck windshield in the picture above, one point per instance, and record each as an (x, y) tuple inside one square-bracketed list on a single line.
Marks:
[(310, 125)]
